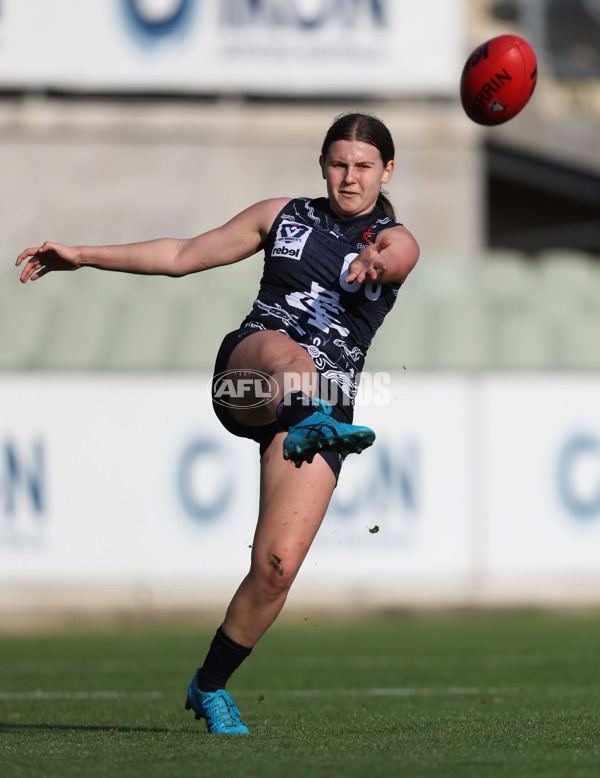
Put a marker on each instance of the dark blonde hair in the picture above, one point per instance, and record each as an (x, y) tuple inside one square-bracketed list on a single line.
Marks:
[(369, 129)]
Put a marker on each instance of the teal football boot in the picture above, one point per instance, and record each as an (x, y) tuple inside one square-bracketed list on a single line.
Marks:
[(222, 717), (321, 432)]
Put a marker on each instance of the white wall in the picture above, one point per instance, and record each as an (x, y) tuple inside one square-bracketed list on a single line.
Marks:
[(485, 490), (110, 172)]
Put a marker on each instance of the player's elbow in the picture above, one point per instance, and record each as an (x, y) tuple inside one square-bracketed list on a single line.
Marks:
[(401, 260), (410, 254), (183, 260), (412, 249)]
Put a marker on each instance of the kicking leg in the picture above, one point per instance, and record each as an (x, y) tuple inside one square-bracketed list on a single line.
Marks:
[(294, 381)]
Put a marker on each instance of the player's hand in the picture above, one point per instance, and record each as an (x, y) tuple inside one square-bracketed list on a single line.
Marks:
[(369, 264), (47, 258)]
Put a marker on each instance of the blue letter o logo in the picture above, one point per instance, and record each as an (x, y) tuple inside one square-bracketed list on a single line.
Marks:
[(579, 447), (198, 506), (158, 20)]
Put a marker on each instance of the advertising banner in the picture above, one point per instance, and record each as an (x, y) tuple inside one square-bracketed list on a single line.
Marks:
[(133, 478), (259, 47), (543, 476), (475, 487)]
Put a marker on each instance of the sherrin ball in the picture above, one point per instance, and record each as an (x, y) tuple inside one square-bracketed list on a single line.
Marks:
[(498, 79)]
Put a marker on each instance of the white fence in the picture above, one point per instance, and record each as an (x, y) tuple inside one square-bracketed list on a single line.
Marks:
[(485, 489)]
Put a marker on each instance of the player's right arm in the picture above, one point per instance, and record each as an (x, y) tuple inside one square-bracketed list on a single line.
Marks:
[(239, 238)]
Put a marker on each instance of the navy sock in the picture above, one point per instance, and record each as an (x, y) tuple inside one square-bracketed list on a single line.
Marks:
[(294, 408), (223, 658)]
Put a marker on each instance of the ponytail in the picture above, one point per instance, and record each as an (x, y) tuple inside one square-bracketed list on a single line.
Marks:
[(384, 204)]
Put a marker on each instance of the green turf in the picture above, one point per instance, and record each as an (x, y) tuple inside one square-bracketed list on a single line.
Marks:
[(461, 695)]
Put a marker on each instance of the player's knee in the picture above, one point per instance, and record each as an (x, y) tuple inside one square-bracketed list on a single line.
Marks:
[(298, 371), (276, 576)]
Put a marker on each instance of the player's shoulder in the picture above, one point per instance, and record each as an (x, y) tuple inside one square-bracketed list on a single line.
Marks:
[(303, 210), (384, 221), (261, 215), (271, 207), (296, 209)]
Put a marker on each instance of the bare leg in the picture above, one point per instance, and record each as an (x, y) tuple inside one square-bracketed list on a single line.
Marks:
[(278, 356), (293, 502)]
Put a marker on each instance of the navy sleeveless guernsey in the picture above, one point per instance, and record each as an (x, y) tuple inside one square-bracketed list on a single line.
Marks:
[(304, 295)]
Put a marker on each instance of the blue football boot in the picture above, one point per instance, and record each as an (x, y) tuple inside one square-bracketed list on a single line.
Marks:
[(321, 432), (222, 717)]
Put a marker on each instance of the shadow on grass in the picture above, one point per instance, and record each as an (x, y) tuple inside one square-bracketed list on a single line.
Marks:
[(6, 728)]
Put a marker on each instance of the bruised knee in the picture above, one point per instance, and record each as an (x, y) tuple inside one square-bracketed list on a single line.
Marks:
[(275, 575), (275, 563)]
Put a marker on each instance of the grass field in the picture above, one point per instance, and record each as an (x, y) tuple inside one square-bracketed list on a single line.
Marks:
[(452, 695)]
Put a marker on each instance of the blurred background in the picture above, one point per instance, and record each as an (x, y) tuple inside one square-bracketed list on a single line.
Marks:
[(124, 120)]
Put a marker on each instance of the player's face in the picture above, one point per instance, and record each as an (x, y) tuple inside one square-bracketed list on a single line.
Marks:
[(354, 172)]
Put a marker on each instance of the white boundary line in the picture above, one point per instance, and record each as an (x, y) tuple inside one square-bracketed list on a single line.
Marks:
[(49, 696), (298, 693), (402, 691)]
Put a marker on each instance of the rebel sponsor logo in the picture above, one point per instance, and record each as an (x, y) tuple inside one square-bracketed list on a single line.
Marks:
[(290, 240), (284, 251)]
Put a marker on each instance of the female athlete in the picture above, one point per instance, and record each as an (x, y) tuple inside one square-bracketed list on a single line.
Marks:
[(332, 270)]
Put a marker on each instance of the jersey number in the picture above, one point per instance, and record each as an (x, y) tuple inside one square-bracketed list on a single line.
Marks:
[(372, 291)]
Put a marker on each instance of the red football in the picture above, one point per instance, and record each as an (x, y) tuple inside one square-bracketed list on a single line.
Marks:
[(498, 79)]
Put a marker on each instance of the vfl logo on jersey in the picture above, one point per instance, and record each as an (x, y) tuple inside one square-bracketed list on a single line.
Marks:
[(290, 240)]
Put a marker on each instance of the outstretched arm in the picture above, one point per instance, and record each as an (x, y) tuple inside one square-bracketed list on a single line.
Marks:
[(239, 238), (391, 258)]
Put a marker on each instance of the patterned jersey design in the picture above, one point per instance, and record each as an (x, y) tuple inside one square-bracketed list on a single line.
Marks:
[(303, 293)]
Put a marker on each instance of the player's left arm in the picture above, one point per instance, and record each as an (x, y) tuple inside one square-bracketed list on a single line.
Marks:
[(390, 259)]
